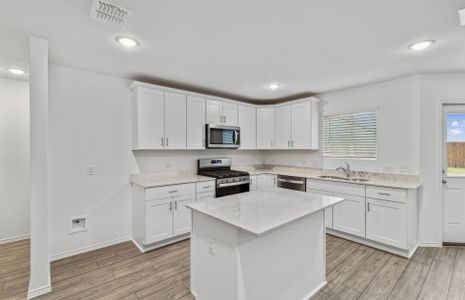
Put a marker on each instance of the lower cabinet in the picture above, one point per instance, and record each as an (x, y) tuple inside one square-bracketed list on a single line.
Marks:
[(387, 222), (266, 181), (349, 215), (166, 218)]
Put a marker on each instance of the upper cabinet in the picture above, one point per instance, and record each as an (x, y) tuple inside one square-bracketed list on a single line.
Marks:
[(221, 112), (165, 118), (265, 126), (159, 119), (296, 125), (195, 122), (247, 121)]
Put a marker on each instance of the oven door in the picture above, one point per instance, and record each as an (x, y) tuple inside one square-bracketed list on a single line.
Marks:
[(218, 136), (226, 189)]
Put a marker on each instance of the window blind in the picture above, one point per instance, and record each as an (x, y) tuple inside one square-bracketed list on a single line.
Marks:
[(350, 135)]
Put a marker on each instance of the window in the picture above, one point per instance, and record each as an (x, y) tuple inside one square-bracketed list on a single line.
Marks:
[(350, 135), (455, 144)]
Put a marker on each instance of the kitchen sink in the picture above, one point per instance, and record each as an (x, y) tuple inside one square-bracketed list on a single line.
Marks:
[(344, 178)]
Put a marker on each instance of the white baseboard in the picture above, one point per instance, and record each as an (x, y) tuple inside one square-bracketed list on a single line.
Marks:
[(69, 253), (429, 244), (14, 239), (315, 290), (39, 291)]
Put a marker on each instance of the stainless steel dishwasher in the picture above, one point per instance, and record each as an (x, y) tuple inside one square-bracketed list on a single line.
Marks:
[(292, 183)]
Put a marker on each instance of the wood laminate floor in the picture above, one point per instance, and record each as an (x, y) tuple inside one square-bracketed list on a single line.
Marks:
[(354, 271)]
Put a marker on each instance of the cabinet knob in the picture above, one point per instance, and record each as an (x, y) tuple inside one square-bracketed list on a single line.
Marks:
[(444, 181)]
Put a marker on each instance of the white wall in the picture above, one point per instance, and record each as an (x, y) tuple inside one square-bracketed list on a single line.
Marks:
[(398, 104), (435, 89), (89, 125), (14, 159)]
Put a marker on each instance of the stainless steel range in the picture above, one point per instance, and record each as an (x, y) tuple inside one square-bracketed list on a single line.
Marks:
[(228, 181)]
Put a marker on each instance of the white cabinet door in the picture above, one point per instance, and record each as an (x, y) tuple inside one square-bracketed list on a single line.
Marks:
[(266, 181), (182, 214), (229, 112), (349, 215), (159, 220), (149, 119), (329, 210), (248, 124), (253, 182), (175, 121), (387, 222), (282, 127), (301, 125), (205, 196), (214, 111), (195, 123), (265, 125)]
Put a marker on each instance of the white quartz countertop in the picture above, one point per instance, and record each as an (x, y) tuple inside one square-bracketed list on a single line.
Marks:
[(157, 180), (259, 212)]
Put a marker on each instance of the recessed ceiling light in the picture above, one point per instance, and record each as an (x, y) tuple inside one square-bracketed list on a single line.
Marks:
[(273, 85), (127, 42), (419, 46), (16, 71)]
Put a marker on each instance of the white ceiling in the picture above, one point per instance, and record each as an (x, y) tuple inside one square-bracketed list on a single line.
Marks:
[(236, 47)]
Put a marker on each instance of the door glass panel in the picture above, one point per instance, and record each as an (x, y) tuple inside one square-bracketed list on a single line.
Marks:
[(455, 144)]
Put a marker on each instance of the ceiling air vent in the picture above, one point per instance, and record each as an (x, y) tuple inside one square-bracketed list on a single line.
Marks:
[(109, 13)]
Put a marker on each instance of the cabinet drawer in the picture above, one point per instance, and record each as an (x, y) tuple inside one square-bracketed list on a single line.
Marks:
[(206, 186), (169, 191), (205, 196), (336, 187), (391, 194)]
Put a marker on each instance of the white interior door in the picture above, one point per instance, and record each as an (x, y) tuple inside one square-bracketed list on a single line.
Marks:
[(454, 174)]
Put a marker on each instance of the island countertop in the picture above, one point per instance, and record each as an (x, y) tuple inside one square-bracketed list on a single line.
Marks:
[(259, 212)]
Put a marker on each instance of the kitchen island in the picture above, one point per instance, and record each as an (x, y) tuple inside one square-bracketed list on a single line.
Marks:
[(259, 245)]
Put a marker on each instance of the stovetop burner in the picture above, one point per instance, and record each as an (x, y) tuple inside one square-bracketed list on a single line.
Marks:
[(223, 173)]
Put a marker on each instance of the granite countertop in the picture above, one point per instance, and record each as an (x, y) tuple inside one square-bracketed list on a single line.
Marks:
[(150, 180), (259, 212), (401, 181)]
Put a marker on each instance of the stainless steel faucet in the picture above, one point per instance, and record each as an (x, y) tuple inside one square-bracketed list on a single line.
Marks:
[(346, 170)]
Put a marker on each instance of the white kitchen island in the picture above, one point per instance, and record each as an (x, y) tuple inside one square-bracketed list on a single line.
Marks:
[(259, 245)]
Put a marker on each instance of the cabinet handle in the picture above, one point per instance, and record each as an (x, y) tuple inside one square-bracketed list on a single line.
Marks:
[(167, 142), (171, 205), (173, 191), (176, 204), (207, 186), (368, 206), (225, 119), (292, 143), (162, 142), (384, 194)]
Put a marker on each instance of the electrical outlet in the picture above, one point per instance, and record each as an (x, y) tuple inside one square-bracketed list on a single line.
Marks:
[(405, 168), (91, 170)]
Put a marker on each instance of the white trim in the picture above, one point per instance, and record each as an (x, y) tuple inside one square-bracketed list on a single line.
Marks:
[(39, 291), (144, 248), (14, 239), (429, 244), (69, 253), (315, 290)]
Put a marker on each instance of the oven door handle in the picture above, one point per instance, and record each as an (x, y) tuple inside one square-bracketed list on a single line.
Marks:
[(291, 181), (232, 184)]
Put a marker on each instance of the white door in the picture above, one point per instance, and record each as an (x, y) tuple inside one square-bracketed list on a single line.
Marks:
[(265, 123), (301, 125), (213, 108), (175, 121), (387, 222), (454, 174), (282, 127), (195, 123), (150, 119), (349, 215), (182, 214), (159, 220), (229, 112), (247, 121)]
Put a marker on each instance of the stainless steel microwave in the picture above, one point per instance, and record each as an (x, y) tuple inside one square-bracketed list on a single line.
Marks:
[(219, 136)]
